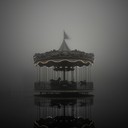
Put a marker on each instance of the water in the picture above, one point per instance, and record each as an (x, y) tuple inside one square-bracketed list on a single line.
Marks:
[(64, 111), (18, 106)]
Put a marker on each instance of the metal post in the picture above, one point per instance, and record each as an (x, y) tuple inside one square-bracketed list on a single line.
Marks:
[(72, 72), (64, 74), (39, 74), (76, 73)]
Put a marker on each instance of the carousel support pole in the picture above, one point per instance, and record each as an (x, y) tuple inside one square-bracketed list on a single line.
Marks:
[(64, 74), (67, 75), (52, 73), (72, 72), (76, 73), (57, 74), (90, 113), (72, 111), (64, 111), (87, 73), (90, 73), (39, 111), (76, 111), (85, 111), (80, 74), (83, 73), (39, 73), (46, 75)]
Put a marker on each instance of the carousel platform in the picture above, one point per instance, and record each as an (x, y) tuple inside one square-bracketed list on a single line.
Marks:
[(63, 87)]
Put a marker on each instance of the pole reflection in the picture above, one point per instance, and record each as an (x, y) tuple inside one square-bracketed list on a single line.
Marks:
[(60, 111)]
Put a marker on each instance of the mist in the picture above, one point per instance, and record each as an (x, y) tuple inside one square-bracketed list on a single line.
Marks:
[(36, 26)]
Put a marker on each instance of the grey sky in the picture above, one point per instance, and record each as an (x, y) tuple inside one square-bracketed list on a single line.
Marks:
[(30, 26)]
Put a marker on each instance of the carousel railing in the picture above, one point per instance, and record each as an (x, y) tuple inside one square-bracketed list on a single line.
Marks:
[(63, 85)]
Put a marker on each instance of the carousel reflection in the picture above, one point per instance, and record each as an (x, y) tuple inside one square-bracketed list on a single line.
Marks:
[(57, 111)]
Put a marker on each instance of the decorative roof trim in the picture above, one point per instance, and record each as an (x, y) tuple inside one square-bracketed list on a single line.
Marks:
[(62, 60)]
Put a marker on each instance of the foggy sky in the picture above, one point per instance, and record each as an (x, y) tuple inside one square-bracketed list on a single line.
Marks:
[(31, 26)]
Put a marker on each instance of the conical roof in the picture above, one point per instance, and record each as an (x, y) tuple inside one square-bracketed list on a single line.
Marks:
[(64, 46)]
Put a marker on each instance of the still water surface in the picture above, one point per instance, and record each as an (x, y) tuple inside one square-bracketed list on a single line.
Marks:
[(108, 109)]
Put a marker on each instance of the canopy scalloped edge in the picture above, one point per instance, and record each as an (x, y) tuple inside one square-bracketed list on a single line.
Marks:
[(66, 62)]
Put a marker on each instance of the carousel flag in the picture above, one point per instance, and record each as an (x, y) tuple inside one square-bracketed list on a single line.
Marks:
[(66, 36)]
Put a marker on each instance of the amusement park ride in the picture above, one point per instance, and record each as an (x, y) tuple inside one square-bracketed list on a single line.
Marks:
[(63, 82), (63, 70)]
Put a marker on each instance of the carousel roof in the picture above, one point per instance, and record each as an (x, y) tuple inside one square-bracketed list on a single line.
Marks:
[(63, 57)]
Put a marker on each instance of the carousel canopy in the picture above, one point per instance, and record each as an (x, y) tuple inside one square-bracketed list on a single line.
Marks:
[(63, 57)]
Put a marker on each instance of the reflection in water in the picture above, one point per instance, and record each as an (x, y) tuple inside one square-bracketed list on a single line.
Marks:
[(57, 111)]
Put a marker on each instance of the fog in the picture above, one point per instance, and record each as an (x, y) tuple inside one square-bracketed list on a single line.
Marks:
[(34, 26)]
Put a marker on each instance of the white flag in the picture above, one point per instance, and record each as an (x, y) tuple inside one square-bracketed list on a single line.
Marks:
[(66, 36)]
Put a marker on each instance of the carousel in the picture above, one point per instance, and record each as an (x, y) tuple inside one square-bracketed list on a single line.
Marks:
[(63, 70)]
